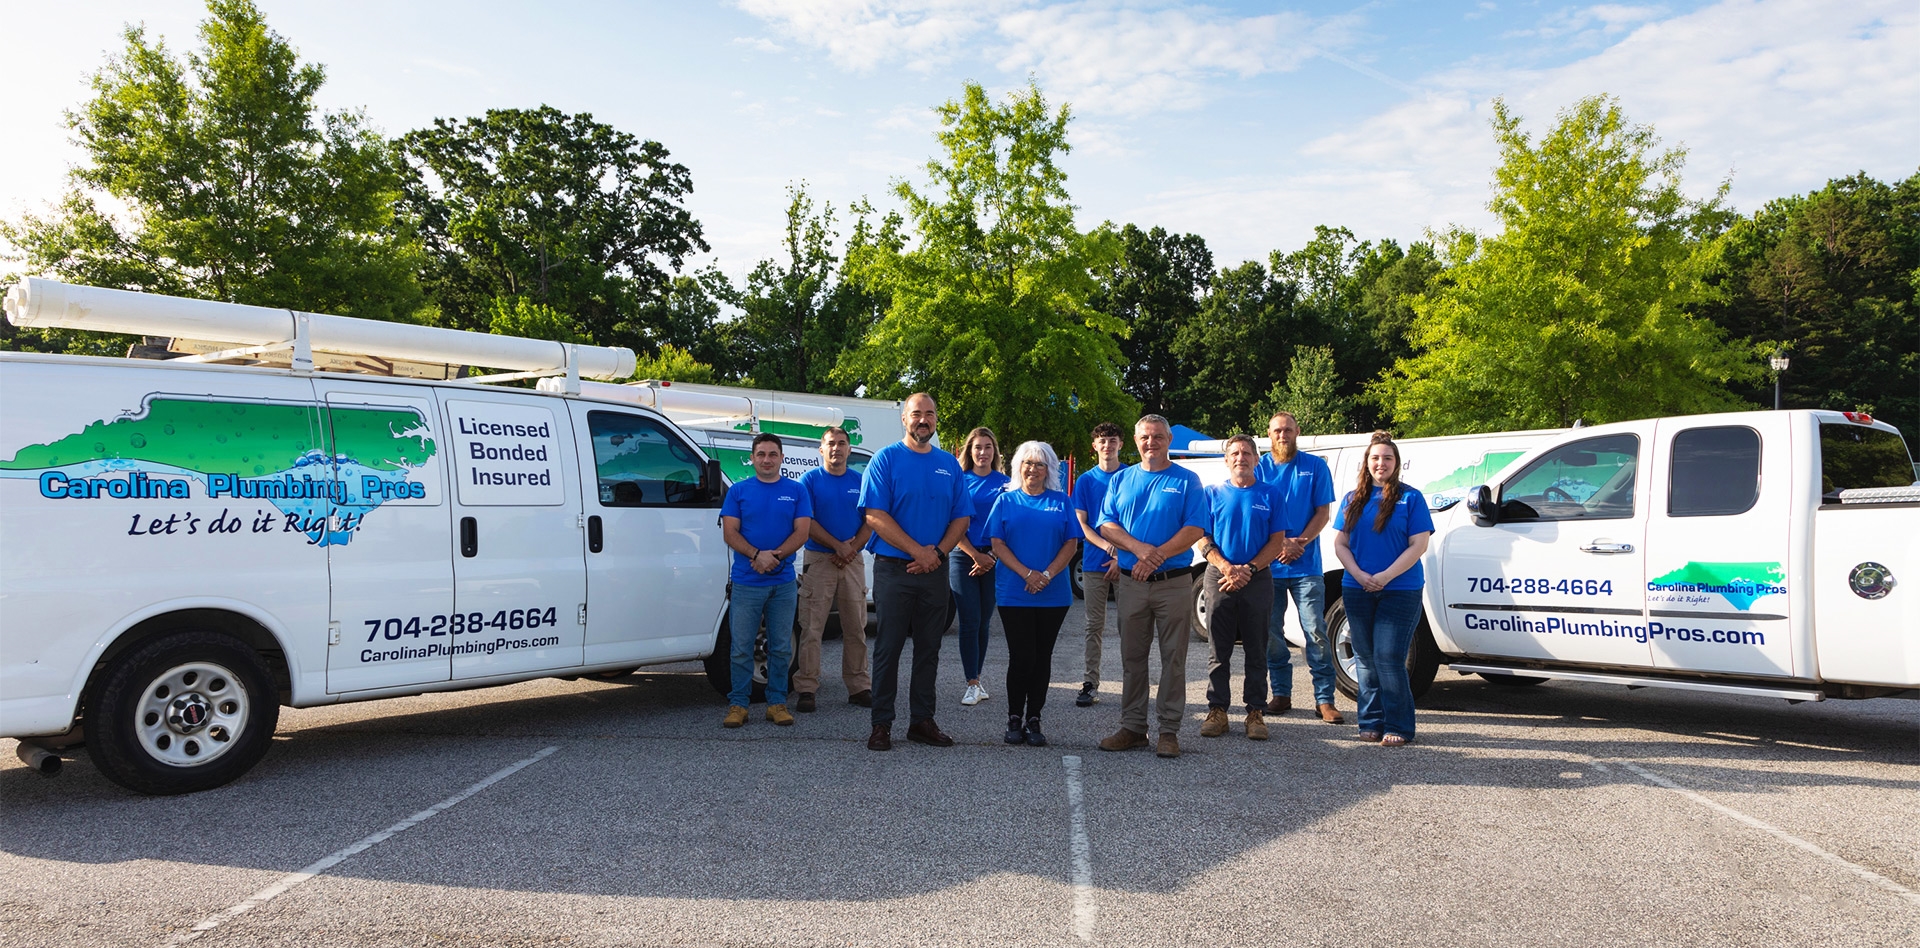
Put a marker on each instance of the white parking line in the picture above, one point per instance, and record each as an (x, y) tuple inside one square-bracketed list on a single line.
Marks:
[(290, 880), (1778, 833), (1085, 908)]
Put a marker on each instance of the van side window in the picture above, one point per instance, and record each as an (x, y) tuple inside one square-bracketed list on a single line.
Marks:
[(1715, 472), (1585, 480), (639, 463)]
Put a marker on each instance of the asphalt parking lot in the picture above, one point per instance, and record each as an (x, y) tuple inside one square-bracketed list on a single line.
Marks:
[(621, 813)]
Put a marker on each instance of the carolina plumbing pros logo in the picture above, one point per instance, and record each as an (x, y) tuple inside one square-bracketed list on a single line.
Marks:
[(1739, 585), (186, 448)]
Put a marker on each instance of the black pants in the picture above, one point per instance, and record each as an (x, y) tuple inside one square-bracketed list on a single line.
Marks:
[(1031, 632), (1238, 616), (911, 605)]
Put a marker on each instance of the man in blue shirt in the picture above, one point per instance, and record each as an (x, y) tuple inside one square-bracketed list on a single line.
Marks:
[(1307, 485), (834, 569), (763, 520), (918, 511), (1240, 547), (1153, 514), (1099, 571)]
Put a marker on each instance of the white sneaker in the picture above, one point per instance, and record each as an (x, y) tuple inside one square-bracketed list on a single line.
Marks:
[(982, 689), (972, 695)]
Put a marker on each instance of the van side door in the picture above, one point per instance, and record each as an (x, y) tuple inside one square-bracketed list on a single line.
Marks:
[(520, 583), (1560, 577), (1718, 596), (656, 567)]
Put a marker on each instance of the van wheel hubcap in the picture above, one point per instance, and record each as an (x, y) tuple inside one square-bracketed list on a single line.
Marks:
[(190, 714)]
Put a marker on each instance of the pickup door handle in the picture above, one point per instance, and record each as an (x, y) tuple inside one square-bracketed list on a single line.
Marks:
[(1603, 546), (469, 537), (595, 536)]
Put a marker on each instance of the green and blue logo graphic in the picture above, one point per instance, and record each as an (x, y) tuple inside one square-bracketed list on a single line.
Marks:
[(1740, 584)]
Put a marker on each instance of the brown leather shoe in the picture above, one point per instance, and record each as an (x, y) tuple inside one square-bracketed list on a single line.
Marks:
[(777, 713), (1215, 724), (804, 704), (736, 717), (1256, 725), (1279, 705), (928, 733), (1330, 714), (863, 698), (881, 739), (1123, 739), (1169, 745)]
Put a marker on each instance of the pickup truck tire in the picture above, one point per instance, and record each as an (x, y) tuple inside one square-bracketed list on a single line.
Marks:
[(185, 712), (1423, 656)]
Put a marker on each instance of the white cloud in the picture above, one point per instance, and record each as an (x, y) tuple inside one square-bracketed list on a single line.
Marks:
[(758, 44), (862, 34)]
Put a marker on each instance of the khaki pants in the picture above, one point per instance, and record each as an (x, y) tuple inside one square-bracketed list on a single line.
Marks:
[(1162, 610), (821, 584), (1095, 585)]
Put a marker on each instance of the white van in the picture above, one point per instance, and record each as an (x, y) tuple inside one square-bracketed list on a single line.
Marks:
[(186, 546)]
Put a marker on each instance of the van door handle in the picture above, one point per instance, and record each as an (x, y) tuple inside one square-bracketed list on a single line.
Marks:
[(594, 536), (469, 537), (1602, 546)]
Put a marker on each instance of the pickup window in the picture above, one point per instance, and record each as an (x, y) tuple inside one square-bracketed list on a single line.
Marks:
[(1585, 480), (1715, 472), (1857, 456)]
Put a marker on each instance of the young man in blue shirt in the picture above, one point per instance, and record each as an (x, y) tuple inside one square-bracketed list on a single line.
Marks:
[(834, 569), (764, 520), (1099, 571), (1240, 547), (918, 511), (1153, 514), (1307, 485)]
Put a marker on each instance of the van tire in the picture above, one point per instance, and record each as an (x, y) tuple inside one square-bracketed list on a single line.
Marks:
[(1423, 656), (719, 665), (139, 708)]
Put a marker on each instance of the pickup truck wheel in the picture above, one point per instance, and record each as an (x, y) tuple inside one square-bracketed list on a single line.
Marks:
[(185, 712), (1073, 573), (1423, 656), (1511, 681)]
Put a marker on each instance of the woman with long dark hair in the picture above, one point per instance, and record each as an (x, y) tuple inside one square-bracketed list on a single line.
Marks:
[(970, 571), (1380, 534)]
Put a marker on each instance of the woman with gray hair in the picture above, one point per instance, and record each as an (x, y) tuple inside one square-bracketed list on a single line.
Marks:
[(1034, 533)]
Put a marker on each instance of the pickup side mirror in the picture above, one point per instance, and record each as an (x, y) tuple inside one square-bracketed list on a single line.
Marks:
[(1480, 504)]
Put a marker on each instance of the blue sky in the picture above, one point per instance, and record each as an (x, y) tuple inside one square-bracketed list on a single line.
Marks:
[(1246, 123)]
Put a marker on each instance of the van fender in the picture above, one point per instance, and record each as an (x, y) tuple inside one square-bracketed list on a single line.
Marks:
[(116, 637)]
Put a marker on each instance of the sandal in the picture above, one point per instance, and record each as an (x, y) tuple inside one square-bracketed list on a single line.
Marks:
[(1394, 740), (1371, 737)]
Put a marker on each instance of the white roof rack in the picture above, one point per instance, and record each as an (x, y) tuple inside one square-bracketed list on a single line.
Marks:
[(254, 331), (693, 409)]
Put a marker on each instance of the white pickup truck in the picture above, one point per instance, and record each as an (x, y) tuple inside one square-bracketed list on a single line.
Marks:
[(1752, 553)]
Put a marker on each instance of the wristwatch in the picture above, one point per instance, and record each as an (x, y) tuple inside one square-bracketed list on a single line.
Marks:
[(1046, 574)]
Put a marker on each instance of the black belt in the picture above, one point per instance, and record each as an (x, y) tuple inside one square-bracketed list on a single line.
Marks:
[(1184, 571)]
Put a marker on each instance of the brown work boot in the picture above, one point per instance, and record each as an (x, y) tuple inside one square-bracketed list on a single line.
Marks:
[(863, 698), (1123, 739), (1330, 714), (881, 739), (736, 716), (1169, 745), (1279, 705), (1256, 725), (1215, 724), (777, 713), (928, 733), (805, 704)]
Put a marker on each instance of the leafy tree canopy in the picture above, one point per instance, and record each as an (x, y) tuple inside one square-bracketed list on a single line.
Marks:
[(1579, 308), (1156, 286), (1311, 392)]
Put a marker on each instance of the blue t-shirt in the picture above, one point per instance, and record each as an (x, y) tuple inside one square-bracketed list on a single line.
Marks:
[(1035, 528), (1306, 485), (766, 512), (1244, 519), (1152, 506), (982, 492), (836, 504), (1374, 552), (1089, 491), (921, 492)]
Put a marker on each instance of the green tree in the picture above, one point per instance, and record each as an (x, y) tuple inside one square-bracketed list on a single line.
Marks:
[(988, 311), (1157, 286), (558, 208), (1311, 392), (674, 364), (1579, 308), (234, 186), (1235, 347), (519, 316)]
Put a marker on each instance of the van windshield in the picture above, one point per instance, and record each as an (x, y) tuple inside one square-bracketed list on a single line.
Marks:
[(1854, 456)]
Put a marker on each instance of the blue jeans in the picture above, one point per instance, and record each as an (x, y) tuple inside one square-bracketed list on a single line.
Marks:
[(1381, 626), (750, 604), (1309, 594), (974, 597)]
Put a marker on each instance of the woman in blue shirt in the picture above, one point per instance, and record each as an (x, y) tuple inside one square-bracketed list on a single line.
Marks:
[(1381, 532), (1034, 533), (970, 570)]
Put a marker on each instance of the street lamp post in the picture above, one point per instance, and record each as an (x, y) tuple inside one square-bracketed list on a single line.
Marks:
[(1779, 363)]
